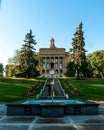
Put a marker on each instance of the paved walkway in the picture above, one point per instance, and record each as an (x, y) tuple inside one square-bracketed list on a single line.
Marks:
[(82, 122)]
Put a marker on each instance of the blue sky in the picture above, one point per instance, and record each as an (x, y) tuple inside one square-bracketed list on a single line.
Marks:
[(44, 17)]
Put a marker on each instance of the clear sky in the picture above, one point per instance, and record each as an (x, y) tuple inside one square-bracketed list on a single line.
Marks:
[(44, 17)]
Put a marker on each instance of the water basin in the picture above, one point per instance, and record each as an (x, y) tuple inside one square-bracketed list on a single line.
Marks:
[(52, 108), (71, 101)]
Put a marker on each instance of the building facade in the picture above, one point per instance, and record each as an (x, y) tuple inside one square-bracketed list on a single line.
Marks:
[(54, 60)]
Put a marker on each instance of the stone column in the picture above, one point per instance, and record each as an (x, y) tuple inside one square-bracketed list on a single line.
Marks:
[(45, 66), (63, 64), (59, 66)]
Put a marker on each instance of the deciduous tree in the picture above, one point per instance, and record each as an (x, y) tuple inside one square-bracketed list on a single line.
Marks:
[(96, 60), (1, 69)]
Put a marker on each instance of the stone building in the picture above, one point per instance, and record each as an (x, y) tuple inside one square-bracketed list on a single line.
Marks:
[(54, 60)]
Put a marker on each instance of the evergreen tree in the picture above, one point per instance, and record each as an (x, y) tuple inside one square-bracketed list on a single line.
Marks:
[(78, 52), (28, 61), (70, 69)]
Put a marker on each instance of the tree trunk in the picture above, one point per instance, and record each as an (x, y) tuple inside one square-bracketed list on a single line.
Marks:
[(77, 74)]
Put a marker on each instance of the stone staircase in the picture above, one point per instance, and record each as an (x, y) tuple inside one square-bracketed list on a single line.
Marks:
[(46, 91)]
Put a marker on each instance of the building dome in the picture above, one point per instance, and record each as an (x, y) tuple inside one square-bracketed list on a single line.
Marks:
[(52, 45)]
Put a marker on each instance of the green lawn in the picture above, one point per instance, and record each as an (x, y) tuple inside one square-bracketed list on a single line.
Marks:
[(17, 89), (12, 90), (90, 89)]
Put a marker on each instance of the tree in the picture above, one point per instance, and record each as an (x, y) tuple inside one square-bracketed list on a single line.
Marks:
[(28, 61), (89, 67), (24, 62), (70, 69), (78, 52), (97, 61), (16, 58), (10, 61), (12, 69), (1, 69), (40, 62)]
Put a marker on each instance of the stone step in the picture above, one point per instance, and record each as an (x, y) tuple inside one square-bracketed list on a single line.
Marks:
[(58, 91)]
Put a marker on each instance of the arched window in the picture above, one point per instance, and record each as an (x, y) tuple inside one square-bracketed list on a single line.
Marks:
[(56, 72)]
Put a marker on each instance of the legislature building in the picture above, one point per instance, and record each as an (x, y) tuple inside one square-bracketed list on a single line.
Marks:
[(54, 60)]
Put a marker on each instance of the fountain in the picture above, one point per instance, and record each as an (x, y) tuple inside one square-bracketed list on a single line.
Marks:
[(52, 89), (53, 105)]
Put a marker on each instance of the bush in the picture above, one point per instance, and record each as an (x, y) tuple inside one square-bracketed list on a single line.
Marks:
[(18, 75), (70, 74)]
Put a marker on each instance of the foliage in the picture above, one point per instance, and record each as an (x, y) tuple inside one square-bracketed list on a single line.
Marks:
[(71, 90), (78, 52), (28, 61), (34, 89), (1, 69), (10, 61), (40, 62), (70, 69), (15, 59), (24, 61), (96, 61), (89, 67)]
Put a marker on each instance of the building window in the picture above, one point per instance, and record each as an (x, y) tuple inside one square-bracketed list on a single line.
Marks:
[(61, 59), (47, 72), (56, 65), (47, 60), (52, 59), (56, 59), (60, 66), (48, 65), (44, 66), (43, 59), (61, 71), (43, 71), (56, 72)]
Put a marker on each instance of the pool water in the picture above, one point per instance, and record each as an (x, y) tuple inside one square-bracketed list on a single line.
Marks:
[(65, 101)]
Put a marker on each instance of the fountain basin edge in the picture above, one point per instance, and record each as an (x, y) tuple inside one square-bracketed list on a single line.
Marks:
[(47, 108)]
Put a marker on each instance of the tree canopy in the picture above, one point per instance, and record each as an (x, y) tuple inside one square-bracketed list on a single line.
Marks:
[(24, 60), (78, 52), (96, 61), (1, 69)]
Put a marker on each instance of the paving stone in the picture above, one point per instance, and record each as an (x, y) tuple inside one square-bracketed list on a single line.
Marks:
[(19, 119), (1, 117), (51, 121), (91, 127), (83, 119), (94, 121), (14, 127), (53, 127), (3, 109)]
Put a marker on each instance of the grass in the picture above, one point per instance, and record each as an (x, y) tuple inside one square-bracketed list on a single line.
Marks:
[(89, 89), (12, 89)]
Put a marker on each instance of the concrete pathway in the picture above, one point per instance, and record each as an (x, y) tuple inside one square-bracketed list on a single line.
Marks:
[(78, 122)]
